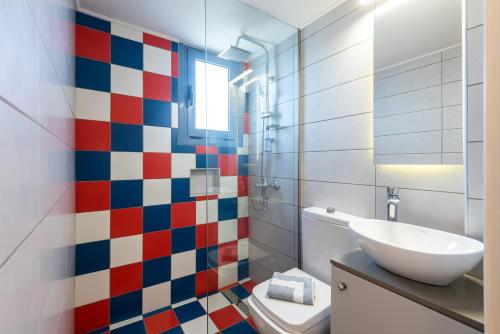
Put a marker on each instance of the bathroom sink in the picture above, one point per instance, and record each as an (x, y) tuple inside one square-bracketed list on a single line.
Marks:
[(422, 254)]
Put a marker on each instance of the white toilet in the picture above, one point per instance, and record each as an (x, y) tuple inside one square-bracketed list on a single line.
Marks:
[(324, 235)]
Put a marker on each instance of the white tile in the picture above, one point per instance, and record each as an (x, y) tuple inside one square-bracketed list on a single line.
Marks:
[(228, 274), (273, 237), (199, 325), (428, 98), (476, 179), (126, 32), (157, 139), (175, 115), (126, 166), (126, 81), (92, 226), (202, 211), (452, 140), (425, 120), (243, 207), (243, 149), (93, 105), (227, 230), (157, 60), (92, 287), (126, 322), (421, 142), (126, 250), (183, 264), (214, 302), (156, 297), (278, 214), (475, 54), (476, 218), (475, 13), (182, 163), (242, 249), (452, 93), (452, 117), (475, 113), (452, 70), (228, 187), (156, 191)]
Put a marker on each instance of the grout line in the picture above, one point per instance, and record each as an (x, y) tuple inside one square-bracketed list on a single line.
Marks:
[(415, 90)]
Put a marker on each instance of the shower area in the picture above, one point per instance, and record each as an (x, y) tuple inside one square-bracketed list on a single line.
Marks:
[(186, 168)]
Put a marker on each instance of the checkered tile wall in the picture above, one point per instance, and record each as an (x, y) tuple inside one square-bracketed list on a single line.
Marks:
[(143, 243)]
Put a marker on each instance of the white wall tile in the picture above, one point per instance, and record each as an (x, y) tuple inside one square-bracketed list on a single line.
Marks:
[(156, 297), (227, 274), (476, 179), (157, 60), (182, 163), (242, 249), (425, 120), (228, 187), (475, 112), (126, 32), (92, 287), (243, 207), (175, 115), (157, 139), (126, 250), (227, 230), (452, 70), (277, 214), (452, 93), (126, 81), (426, 98), (476, 218), (452, 140), (475, 13), (453, 117), (420, 142), (475, 54), (93, 105), (92, 226), (214, 302), (183, 264), (126, 166), (156, 191)]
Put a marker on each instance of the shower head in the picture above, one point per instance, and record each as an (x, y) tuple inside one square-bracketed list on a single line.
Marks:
[(234, 53)]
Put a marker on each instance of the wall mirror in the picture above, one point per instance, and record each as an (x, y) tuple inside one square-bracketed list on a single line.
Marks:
[(418, 112)]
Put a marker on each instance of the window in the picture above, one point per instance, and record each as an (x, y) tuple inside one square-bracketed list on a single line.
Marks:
[(212, 101)]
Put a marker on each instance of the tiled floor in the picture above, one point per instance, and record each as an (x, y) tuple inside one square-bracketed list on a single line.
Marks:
[(226, 311)]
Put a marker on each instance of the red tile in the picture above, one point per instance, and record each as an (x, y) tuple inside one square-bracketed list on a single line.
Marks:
[(228, 164), (92, 196), (249, 285), (157, 87), (246, 123), (205, 198), (242, 186), (226, 317), (157, 165), (159, 42), (201, 149), (126, 222), (125, 279), (91, 316), (183, 214), (161, 322), (92, 135), (212, 234), (228, 253), (242, 228), (126, 109), (201, 236), (156, 244), (201, 283), (174, 60), (93, 44), (251, 323), (212, 280)]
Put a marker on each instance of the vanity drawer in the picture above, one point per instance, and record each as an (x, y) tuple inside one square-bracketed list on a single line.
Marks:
[(363, 307)]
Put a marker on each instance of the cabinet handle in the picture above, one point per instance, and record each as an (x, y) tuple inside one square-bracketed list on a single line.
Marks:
[(342, 286)]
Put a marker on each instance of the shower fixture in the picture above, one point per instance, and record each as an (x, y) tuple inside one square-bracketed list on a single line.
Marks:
[(261, 182)]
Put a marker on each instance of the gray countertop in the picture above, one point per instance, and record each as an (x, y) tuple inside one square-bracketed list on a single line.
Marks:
[(462, 300)]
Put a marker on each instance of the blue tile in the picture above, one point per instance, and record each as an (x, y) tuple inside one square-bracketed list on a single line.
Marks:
[(126, 194), (212, 257), (240, 328), (183, 239), (156, 218), (176, 147), (176, 330), (207, 161), (243, 269), (227, 149), (126, 52), (92, 22), (91, 256), (243, 165), (175, 89), (228, 208), (160, 310), (175, 47), (92, 74), (180, 190), (157, 113), (240, 292), (126, 137), (201, 259), (125, 306), (99, 331), (156, 271), (182, 288), (133, 328), (189, 311), (92, 166)]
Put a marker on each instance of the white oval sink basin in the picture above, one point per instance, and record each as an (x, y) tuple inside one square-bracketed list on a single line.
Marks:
[(422, 254)]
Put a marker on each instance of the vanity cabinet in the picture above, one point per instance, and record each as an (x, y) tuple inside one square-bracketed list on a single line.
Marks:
[(361, 307)]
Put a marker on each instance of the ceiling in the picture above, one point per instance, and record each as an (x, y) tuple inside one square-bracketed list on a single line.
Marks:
[(406, 29), (225, 19)]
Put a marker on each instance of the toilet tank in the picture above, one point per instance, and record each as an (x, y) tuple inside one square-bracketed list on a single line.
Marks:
[(324, 235)]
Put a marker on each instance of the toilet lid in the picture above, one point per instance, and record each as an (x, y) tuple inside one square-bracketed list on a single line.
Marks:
[(293, 317)]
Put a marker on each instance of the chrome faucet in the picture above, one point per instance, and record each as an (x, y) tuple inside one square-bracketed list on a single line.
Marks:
[(392, 204)]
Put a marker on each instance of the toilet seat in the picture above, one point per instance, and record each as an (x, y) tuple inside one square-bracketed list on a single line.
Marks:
[(293, 317)]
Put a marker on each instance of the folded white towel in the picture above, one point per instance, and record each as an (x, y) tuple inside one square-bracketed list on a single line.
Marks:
[(291, 288)]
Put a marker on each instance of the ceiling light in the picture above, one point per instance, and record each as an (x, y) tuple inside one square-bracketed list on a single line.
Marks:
[(241, 76), (365, 2)]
